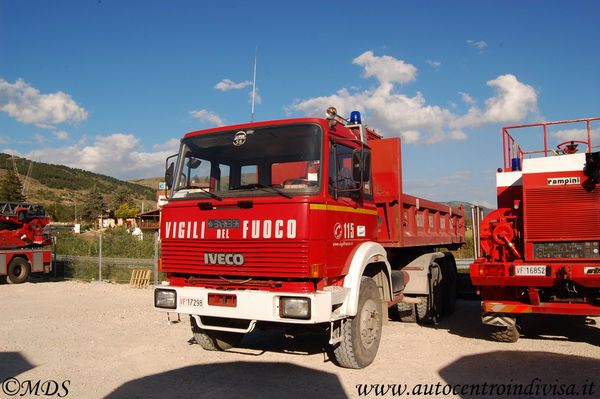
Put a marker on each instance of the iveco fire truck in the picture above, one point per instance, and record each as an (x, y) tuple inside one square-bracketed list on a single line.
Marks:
[(541, 247), (23, 235), (301, 223)]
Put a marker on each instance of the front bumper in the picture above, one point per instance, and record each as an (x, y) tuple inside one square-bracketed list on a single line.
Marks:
[(252, 305)]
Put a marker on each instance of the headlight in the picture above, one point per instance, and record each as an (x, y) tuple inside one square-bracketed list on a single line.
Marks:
[(165, 299), (294, 308)]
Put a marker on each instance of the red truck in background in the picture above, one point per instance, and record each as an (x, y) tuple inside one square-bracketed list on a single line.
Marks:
[(23, 234), (297, 224), (541, 247)]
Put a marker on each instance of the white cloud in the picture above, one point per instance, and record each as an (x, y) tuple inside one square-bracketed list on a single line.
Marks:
[(170, 145), (12, 152), (227, 84), (397, 114), (118, 155), (435, 64), (386, 69), (480, 45), (40, 139), (25, 103), (467, 99), (207, 116), (576, 134), (61, 135), (512, 102)]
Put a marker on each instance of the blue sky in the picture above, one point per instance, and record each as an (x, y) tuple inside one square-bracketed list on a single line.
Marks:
[(110, 86)]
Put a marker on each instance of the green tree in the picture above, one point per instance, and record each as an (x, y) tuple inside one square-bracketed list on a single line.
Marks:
[(125, 212), (93, 205), (11, 189), (122, 196)]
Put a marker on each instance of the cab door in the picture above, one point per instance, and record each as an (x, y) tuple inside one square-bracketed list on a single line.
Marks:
[(351, 213)]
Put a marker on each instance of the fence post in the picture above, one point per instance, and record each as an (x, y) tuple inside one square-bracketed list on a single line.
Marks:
[(156, 238), (100, 258), (54, 266)]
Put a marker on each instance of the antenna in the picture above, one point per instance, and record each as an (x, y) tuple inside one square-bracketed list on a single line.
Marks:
[(254, 84)]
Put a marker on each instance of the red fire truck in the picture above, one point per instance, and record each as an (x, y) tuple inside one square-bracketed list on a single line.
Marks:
[(541, 247), (23, 234), (301, 223)]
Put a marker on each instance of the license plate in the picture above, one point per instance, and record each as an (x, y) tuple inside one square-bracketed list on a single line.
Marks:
[(530, 270), (191, 302)]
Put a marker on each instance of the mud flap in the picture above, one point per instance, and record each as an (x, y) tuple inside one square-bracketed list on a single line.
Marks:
[(498, 319)]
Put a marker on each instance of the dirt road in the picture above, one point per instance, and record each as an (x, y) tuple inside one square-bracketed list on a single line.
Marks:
[(83, 340)]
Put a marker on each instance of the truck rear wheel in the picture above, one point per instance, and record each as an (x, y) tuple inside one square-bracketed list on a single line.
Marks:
[(18, 271), (429, 309), (361, 334), (504, 334), (449, 284), (212, 340), (407, 312)]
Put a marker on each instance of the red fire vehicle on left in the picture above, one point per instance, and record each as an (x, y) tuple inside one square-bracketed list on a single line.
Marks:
[(24, 232)]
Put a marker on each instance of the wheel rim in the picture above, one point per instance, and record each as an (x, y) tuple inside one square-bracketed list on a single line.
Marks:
[(369, 323), (18, 270)]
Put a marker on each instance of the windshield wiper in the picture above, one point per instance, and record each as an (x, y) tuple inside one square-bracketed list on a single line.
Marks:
[(213, 195), (260, 185)]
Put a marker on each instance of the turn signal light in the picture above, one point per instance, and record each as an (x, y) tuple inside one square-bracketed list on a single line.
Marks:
[(316, 270), (491, 270)]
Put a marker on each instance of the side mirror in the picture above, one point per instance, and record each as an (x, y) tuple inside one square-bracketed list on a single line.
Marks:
[(361, 165), (170, 170), (193, 163)]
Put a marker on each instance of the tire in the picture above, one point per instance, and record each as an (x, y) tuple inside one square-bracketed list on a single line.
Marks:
[(212, 340), (430, 307), (407, 312), (504, 334), (361, 334), (449, 282), (18, 271)]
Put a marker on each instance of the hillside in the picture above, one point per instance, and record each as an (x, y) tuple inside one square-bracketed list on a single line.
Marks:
[(467, 206), (65, 187), (151, 182)]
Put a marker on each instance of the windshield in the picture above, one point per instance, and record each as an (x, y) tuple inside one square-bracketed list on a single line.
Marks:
[(262, 161)]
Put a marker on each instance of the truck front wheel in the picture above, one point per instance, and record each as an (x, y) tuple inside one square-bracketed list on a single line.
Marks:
[(361, 334), (212, 340), (504, 334), (18, 271)]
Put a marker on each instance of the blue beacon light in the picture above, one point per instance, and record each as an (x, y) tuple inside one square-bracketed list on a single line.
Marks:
[(355, 118)]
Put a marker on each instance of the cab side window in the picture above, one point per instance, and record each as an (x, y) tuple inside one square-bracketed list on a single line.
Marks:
[(340, 171)]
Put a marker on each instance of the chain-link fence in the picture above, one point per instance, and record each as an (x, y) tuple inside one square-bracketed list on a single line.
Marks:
[(111, 256)]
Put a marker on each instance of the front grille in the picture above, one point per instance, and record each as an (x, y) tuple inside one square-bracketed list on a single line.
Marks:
[(287, 259), (564, 213)]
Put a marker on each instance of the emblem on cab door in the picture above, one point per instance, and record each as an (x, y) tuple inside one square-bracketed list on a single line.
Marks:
[(338, 231)]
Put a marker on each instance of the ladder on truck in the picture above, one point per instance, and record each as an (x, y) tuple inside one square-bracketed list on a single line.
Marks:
[(11, 208)]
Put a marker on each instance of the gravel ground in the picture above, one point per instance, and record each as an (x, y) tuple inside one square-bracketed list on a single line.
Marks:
[(86, 340)]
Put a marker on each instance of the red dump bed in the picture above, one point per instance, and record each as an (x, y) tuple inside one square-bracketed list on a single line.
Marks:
[(404, 220)]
